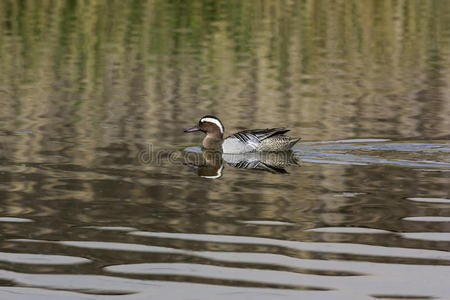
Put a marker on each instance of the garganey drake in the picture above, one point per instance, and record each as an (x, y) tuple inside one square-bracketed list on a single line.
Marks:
[(255, 140)]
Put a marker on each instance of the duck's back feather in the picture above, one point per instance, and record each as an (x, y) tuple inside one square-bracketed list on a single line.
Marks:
[(269, 139), (258, 135)]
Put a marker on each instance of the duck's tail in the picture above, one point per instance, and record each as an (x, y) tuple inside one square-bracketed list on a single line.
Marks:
[(293, 142)]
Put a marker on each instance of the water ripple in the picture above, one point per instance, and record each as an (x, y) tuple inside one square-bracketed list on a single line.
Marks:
[(134, 289), (427, 219), (431, 200), (267, 222), (223, 273), (342, 248), (348, 230), (428, 236), (14, 220), (41, 259)]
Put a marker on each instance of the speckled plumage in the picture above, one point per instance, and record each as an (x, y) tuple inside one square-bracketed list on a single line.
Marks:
[(259, 140)]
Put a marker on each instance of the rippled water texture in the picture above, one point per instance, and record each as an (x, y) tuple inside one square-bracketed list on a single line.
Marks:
[(101, 192)]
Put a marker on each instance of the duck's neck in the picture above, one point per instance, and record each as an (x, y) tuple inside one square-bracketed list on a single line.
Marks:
[(212, 141)]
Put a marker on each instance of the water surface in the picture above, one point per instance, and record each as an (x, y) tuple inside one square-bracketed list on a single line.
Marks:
[(98, 198)]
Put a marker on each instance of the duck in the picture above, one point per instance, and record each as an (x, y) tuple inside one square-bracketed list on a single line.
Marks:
[(253, 140)]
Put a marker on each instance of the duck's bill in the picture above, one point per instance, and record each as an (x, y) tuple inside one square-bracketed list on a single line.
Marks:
[(193, 129)]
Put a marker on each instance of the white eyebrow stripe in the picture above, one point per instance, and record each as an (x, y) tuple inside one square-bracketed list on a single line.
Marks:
[(215, 121)]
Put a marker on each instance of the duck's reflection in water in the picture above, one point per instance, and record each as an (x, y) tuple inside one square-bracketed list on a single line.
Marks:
[(210, 163)]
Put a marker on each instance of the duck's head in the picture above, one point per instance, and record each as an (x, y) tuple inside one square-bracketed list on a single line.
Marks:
[(209, 125)]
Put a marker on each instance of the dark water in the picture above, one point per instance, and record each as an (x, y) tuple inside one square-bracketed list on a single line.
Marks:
[(91, 90)]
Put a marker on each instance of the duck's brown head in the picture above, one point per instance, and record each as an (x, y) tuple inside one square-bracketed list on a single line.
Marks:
[(213, 129), (209, 125)]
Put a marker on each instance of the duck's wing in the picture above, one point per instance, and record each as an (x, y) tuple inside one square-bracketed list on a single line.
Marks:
[(257, 135)]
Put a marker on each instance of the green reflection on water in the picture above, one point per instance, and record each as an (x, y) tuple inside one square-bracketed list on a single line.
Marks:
[(331, 69)]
